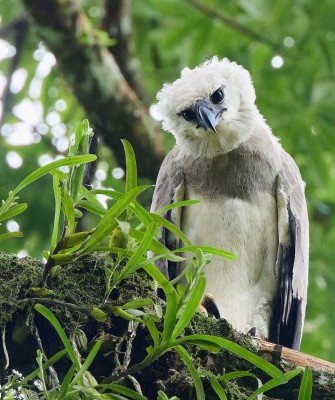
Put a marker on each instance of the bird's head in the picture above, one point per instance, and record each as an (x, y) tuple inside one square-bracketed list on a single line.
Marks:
[(210, 109)]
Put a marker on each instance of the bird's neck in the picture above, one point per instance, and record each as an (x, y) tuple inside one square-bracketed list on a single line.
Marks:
[(257, 139)]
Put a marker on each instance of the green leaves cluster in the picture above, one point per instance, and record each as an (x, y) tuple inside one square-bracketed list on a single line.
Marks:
[(11, 208)]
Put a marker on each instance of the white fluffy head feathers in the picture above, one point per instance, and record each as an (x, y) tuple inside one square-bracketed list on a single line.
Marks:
[(199, 83)]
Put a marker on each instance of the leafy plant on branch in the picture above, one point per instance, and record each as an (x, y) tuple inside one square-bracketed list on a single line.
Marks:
[(126, 231)]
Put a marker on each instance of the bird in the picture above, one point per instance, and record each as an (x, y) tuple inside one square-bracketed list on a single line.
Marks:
[(251, 200)]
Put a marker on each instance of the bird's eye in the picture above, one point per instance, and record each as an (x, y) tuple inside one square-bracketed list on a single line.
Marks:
[(188, 115), (217, 96)]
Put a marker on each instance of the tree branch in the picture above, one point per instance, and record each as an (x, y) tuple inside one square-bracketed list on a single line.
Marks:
[(117, 22), (291, 358), (111, 105), (244, 30)]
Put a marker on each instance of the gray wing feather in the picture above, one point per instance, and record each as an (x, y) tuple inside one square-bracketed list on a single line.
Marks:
[(169, 188), (292, 259)]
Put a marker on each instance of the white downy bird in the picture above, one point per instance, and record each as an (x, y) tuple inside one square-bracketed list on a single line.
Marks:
[(252, 200)]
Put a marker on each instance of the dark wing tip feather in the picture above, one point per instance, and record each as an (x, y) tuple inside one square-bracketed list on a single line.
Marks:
[(289, 310)]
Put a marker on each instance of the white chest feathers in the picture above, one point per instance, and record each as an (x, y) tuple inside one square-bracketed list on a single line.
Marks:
[(244, 289)]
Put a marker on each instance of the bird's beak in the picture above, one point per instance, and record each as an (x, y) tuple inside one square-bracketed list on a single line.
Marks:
[(206, 116)]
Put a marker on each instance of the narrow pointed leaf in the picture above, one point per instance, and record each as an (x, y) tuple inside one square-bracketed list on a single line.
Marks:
[(256, 360), (183, 354), (13, 211), (131, 167), (108, 222), (191, 307), (208, 249), (273, 383), (218, 388), (155, 246), (54, 322), (10, 235), (172, 228), (177, 204), (306, 387), (88, 361), (58, 201), (49, 167), (138, 254)]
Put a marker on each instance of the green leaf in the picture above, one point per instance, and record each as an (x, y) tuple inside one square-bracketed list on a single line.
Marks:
[(272, 383), (151, 326), (170, 317), (56, 225), (54, 322), (207, 249), (163, 396), (123, 390), (131, 264), (205, 344), (75, 239), (125, 314), (61, 259), (190, 307), (155, 246), (108, 222), (137, 303), (182, 203), (131, 170), (87, 363), (237, 374), (162, 281), (183, 354), (92, 207), (131, 167), (256, 360), (68, 208), (13, 211), (217, 388), (306, 387), (83, 159), (10, 235), (98, 314), (142, 214), (172, 228), (66, 382)]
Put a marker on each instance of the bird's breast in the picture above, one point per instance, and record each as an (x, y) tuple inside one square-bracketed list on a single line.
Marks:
[(239, 174), (244, 288)]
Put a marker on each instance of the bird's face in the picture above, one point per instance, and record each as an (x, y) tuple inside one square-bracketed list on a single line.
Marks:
[(210, 109)]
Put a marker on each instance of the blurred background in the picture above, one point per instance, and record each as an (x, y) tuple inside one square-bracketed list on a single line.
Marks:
[(65, 60)]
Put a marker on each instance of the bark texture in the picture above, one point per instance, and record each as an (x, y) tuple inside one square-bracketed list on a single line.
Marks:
[(105, 80)]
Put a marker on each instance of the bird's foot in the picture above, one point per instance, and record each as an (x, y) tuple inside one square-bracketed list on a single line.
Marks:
[(208, 306)]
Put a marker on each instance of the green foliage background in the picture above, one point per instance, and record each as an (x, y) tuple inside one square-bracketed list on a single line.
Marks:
[(297, 100)]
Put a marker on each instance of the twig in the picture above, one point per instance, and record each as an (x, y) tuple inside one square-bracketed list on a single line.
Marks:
[(5, 348), (212, 13), (45, 300)]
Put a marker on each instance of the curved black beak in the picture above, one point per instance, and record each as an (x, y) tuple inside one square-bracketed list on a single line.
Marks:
[(206, 118)]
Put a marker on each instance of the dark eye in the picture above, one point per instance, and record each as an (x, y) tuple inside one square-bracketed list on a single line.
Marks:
[(217, 96), (188, 115)]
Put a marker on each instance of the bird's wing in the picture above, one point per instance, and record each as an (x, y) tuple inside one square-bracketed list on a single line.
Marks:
[(169, 189), (292, 258)]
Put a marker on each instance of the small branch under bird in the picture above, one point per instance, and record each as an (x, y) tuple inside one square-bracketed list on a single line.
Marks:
[(251, 196)]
